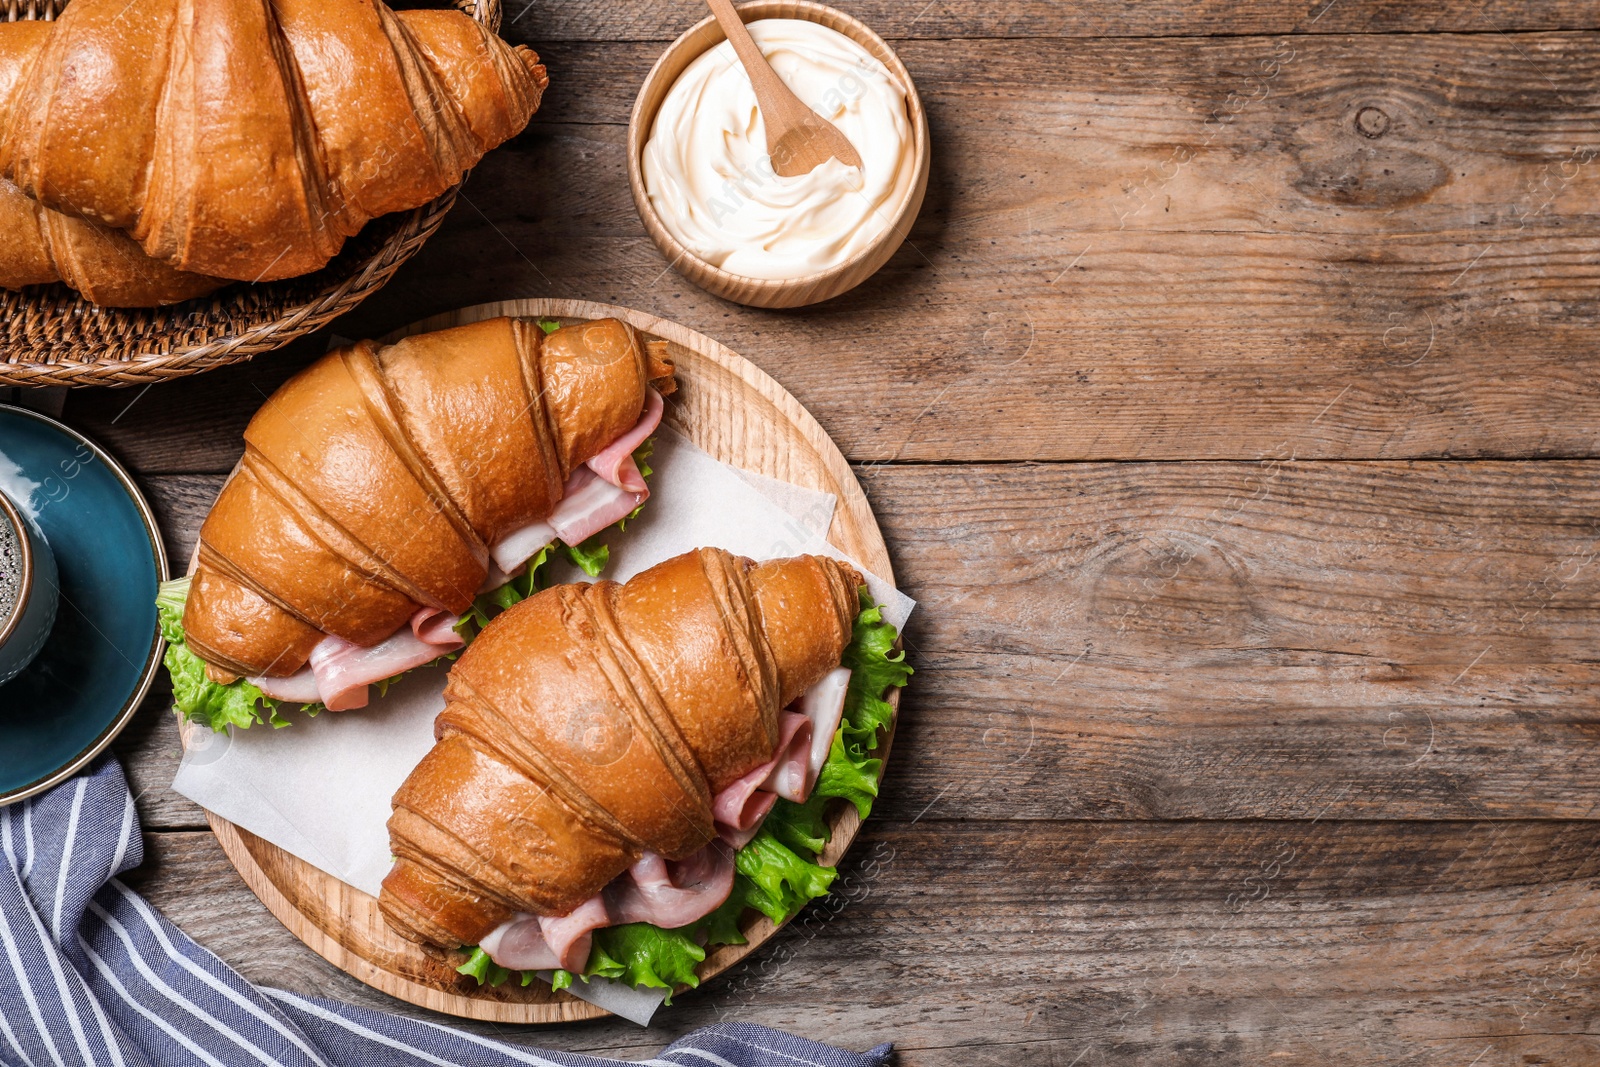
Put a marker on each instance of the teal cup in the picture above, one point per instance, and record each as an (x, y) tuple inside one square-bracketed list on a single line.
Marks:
[(29, 589)]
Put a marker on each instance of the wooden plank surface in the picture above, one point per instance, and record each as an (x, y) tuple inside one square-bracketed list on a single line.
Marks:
[(1274, 745), (1121, 943), (1131, 249), (662, 20)]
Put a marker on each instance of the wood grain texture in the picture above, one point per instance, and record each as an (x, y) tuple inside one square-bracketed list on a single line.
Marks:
[(1129, 250), (732, 410), (149, 750), (661, 20), (1271, 640), (972, 942), (1189, 565)]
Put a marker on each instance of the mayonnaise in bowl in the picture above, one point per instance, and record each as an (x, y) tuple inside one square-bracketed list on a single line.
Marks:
[(711, 183)]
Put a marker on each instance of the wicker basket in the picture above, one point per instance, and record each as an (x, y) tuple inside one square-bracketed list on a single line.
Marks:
[(52, 336)]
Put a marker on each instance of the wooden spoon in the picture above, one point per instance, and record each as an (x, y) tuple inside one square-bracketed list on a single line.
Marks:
[(798, 139)]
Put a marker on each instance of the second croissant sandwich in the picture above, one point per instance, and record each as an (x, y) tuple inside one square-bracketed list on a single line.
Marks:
[(384, 488), (608, 754)]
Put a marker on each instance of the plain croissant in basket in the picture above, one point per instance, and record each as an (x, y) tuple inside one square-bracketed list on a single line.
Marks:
[(39, 246), (238, 139), (592, 725), (380, 485)]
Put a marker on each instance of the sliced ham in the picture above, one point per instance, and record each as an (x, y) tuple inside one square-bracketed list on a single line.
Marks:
[(736, 807), (615, 462), (599, 493), (672, 894), (756, 813), (790, 775), (298, 688), (823, 704), (518, 944), (516, 548), (568, 935), (345, 670), (803, 743), (654, 890), (437, 627), (740, 807), (590, 504)]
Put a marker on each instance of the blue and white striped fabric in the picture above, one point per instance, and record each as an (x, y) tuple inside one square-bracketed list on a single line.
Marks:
[(91, 974)]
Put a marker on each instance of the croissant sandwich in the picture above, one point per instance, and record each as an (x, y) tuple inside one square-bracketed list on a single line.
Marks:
[(609, 753), (242, 139), (385, 492)]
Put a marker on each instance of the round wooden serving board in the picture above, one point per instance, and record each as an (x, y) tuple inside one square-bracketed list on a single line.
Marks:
[(731, 409)]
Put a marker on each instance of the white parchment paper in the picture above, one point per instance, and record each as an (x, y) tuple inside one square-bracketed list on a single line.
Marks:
[(320, 789)]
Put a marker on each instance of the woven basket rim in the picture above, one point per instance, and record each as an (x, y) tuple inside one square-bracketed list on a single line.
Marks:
[(52, 336)]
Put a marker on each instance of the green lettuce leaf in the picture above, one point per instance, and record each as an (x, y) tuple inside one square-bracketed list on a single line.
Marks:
[(171, 598), (215, 706), (644, 955), (781, 880), (871, 654), (549, 326), (721, 927), (844, 775), (641, 955), (200, 699), (802, 827), (484, 969), (875, 667), (591, 556)]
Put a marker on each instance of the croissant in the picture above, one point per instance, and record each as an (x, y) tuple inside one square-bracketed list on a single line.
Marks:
[(39, 246), (591, 724), (379, 481), (247, 139)]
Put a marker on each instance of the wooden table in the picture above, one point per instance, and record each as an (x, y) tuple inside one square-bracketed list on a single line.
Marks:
[(1233, 413)]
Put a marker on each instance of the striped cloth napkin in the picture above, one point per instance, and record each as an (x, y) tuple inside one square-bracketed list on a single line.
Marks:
[(92, 974)]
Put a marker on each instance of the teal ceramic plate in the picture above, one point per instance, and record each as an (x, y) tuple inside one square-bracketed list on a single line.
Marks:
[(69, 703)]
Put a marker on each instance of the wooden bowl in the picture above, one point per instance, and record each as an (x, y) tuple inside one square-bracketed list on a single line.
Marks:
[(762, 292), (49, 335)]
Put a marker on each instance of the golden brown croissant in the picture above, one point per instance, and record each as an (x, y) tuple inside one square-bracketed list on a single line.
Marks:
[(593, 723), (39, 246), (376, 481), (248, 139)]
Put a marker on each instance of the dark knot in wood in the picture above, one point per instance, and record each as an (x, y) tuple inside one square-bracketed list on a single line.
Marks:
[(1371, 122)]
